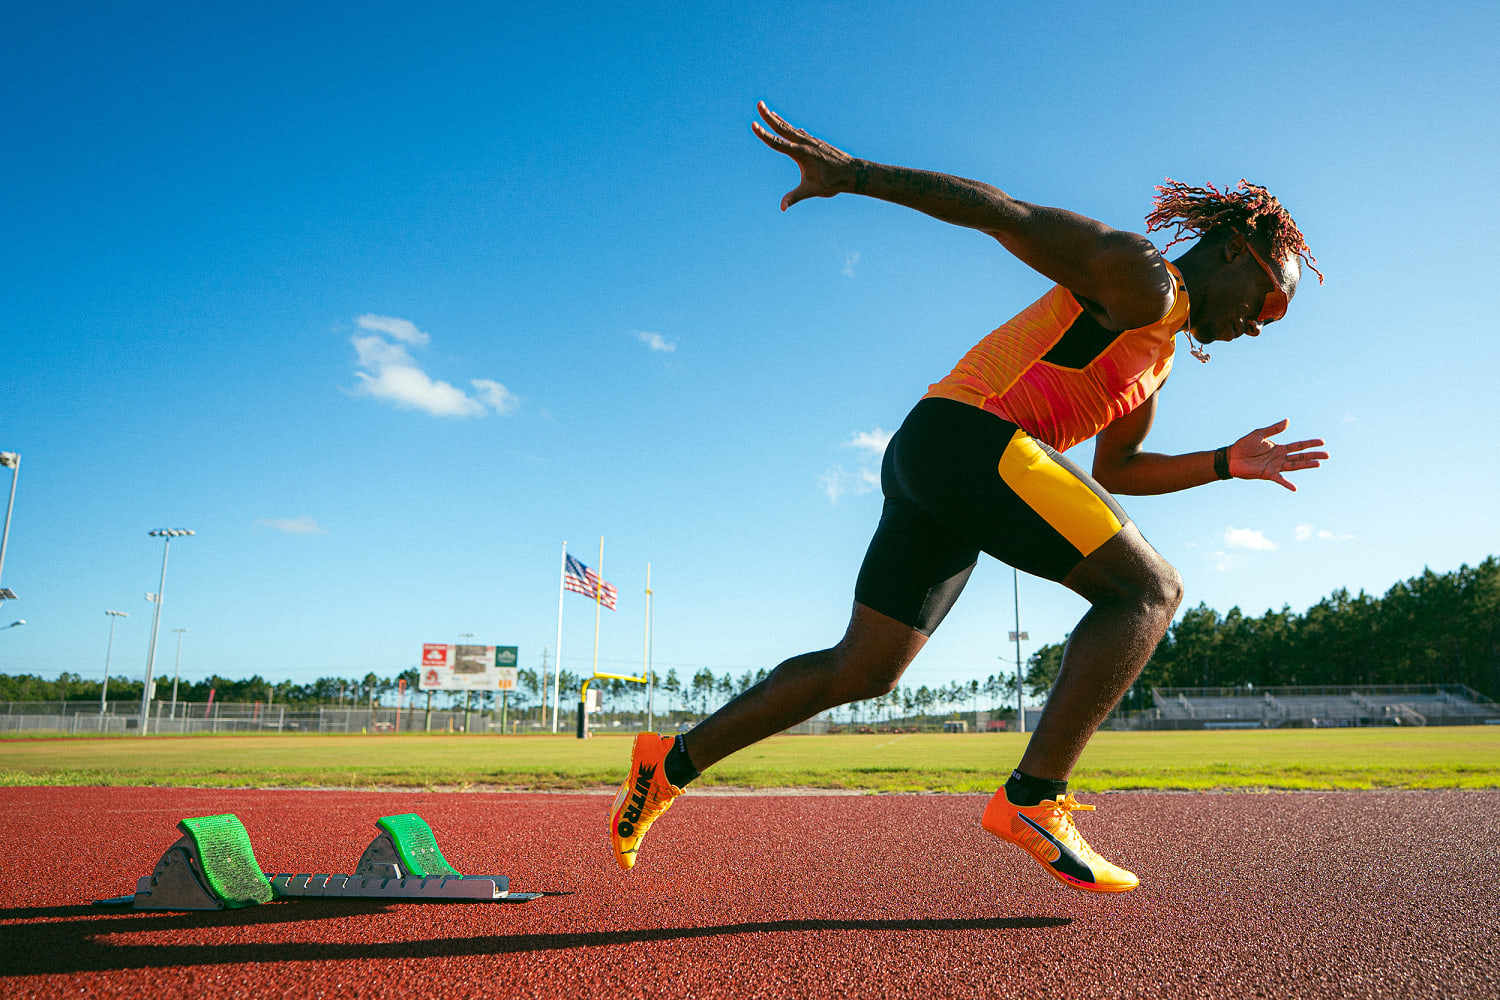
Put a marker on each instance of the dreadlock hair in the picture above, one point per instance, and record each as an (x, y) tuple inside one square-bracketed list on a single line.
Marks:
[(1249, 210)]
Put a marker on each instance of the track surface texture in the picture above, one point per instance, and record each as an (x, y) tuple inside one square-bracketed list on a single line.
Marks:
[(1360, 894)]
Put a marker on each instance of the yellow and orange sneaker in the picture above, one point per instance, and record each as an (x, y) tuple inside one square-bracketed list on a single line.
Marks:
[(1047, 833), (644, 796)]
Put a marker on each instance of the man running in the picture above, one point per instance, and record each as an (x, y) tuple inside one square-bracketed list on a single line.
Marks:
[(976, 468)]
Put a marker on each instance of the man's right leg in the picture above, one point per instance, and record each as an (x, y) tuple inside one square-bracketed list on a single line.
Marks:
[(867, 662), (1031, 507), (1133, 593)]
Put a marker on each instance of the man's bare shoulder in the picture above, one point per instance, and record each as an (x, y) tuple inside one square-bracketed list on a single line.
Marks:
[(1134, 286)]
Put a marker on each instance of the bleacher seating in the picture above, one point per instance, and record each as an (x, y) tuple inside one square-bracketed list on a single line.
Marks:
[(1278, 707)]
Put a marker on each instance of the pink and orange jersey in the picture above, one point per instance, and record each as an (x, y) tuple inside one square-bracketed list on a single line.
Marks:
[(1054, 371)]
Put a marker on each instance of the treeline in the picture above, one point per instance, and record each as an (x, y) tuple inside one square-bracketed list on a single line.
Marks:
[(687, 696), (1431, 629), (1437, 628), (704, 692), (324, 691)]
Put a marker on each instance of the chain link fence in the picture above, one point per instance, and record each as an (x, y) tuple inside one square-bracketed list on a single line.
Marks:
[(85, 718), (78, 718)]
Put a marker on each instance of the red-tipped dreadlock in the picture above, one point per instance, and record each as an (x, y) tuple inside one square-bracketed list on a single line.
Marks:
[(1250, 210)]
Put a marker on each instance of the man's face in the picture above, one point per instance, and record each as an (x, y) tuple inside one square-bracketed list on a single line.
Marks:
[(1248, 293)]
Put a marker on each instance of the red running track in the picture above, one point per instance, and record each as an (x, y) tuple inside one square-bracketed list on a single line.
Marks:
[(1318, 895)]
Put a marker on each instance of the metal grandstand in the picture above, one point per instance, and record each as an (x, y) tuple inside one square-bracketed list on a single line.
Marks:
[(1318, 707)]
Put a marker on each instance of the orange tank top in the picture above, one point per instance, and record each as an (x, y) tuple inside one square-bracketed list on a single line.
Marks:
[(1055, 372)]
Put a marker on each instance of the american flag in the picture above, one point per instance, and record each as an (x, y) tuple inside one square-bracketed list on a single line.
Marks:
[(581, 580)]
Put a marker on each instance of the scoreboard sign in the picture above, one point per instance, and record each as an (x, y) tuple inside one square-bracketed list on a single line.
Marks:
[(467, 668)]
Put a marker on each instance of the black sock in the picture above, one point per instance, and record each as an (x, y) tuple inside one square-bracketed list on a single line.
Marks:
[(678, 766), (1024, 790)]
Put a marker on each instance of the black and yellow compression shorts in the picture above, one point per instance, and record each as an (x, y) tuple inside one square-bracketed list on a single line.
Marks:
[(958, 481)]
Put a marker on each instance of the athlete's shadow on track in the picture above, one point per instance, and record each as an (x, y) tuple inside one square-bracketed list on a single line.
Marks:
[(68, 940)]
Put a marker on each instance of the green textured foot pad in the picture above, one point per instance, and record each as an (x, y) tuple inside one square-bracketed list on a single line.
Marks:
[(416, 846), (227, 860)]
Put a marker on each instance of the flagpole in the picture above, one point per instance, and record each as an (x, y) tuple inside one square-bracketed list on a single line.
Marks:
[(557, 667)]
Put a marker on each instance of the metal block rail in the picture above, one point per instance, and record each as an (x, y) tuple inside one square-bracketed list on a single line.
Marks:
[(402, 862), (213, 867)]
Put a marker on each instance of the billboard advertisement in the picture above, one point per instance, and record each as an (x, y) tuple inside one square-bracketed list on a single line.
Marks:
[(447, 667)]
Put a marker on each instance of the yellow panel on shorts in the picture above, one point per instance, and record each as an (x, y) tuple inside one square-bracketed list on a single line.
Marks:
[(1074, 510)]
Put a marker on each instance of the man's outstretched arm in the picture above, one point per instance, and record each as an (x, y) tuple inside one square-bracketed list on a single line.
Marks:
[(1121, 466), (1120, 272)]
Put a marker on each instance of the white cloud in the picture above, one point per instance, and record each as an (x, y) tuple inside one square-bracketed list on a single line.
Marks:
[(835, 482), (865, 478), (872, 441), (396, 380), (1306, 532), (850, 260), (306, 525), (655, 341), (403, 330), (1223, 561), (495, 396), (376, 353), (1248, 538), (389, 373)]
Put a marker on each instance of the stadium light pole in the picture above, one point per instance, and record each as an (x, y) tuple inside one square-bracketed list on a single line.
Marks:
[(167, 534), (176, 669), (12, 461), (104, 691)]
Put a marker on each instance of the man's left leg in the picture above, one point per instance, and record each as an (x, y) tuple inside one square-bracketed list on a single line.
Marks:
[(867, 662), (912, 573)]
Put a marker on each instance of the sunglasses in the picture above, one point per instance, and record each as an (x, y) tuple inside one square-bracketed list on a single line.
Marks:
[(1276, 301)]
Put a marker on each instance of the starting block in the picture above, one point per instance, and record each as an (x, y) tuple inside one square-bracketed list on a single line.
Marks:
[(213, 867)]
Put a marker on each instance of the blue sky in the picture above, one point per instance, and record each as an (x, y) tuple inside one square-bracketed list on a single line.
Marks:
[(386, 302)]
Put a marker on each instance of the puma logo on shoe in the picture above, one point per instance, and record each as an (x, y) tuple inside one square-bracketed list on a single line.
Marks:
[(1067, 863)]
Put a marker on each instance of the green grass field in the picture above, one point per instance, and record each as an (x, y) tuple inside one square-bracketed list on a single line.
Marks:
[(1453, 757)]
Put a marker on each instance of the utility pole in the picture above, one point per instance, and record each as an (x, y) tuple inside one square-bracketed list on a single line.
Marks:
[(1016, 637), (177, 669), (542, 686), (104, 691)]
